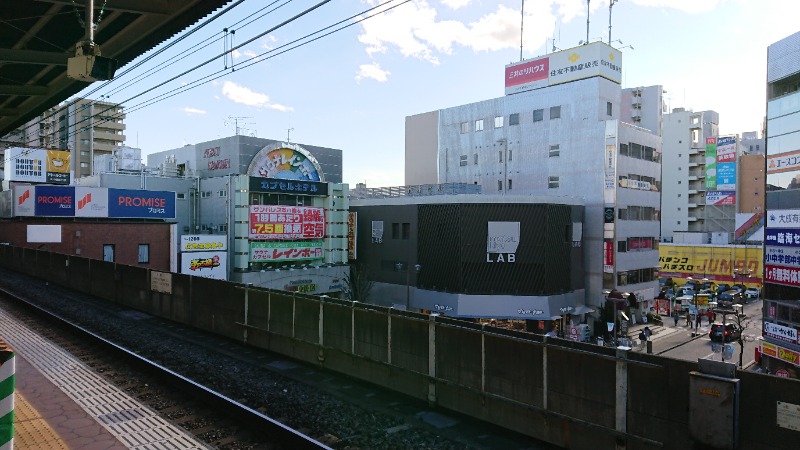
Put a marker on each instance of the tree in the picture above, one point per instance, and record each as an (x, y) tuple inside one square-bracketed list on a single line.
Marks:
[(358, 283)]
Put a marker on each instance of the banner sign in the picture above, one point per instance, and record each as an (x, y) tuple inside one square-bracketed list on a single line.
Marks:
[(720, 198), (23, 202), (141, 204), (595, 59), (783, 162), (726, 177), (91, 202), (726, 149), (776, 351), (608, 257), (285, 163), (55, 200), (205, 264), (285, 251), (786, 237), (711, 163), (283, 222), (787, 276), (780, 332), (203, 242), (37, 165), (352, 232), (782, 256), (298, 187), (783, 218)]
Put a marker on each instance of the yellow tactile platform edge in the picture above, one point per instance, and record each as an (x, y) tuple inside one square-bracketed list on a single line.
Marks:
[(31, 431)]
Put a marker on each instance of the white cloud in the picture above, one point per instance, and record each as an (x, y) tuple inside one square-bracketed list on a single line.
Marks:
[(193, 111), (236, 54), (373, 71), (246, 96), (689, 6), (455, 4)]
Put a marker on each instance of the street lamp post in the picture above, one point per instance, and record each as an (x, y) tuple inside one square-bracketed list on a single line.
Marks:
[(417, 268)]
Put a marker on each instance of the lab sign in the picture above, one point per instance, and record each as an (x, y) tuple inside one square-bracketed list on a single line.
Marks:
[(502, 241)]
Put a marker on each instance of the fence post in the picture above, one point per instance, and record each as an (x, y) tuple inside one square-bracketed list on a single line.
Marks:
[(7, 369)]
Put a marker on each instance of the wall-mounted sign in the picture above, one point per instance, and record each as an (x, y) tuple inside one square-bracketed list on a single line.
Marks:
[(377, 231), (274, 185), (203, 242), (783, 218), (726, 149), (720, 198), (783, 162), (285, 251), (787, 276), (352, 232), (782, 256), (776, 351), (282, 222), (161, 282), (37, 165), (780, 332), (596, 59), (711, 163), (785, 237), (91, 202), (55, 200), (502, 240), (205, 264), (142, 204), (287, 162)]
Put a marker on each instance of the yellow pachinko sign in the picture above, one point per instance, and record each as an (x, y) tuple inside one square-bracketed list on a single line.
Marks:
[(721, 263)]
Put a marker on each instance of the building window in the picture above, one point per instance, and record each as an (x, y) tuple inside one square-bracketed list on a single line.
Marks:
[(758, 147), (108, 252), (85, 141), (463, 161), (222, 193), (406, 231), (509, 184), (695, 136), (695, 120), (538, 115), (144, 253), (555, 150), (609, 109), (181, 195), (465, 127), (513, 119), (395, 231), (622, 246), (476, 159), (499, 185), (555, 112), (84, 165), (479, 125), (205, 194), (510, 154), (500, 154), (498, 122), (552, 182), (84, 152)]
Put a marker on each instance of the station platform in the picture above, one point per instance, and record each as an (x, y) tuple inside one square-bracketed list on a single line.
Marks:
[(60, 403)]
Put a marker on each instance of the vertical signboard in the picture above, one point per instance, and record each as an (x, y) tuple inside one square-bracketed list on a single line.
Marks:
[(610, 163), (711, 163), (352, 232)]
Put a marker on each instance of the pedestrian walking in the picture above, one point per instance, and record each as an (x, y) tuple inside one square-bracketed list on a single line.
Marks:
[(688, 320), (647, 333), (697, 321), (676, 317), (710, 316)]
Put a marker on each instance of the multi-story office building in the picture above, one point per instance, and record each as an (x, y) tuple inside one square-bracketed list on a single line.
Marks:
[(752, 144), (780, 348), (86, 128), (683, 198), (560, 130)]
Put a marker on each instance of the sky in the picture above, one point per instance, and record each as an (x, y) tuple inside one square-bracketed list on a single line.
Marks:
[(352, 89)]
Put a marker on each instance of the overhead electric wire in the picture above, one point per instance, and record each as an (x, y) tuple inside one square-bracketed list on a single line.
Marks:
[(254, 60)]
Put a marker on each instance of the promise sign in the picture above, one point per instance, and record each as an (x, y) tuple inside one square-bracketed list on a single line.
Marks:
[(282, 222)]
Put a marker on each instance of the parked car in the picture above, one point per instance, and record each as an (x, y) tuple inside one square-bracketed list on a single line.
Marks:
[(729, 298), (752, 292), (727, 333), (723, 287)]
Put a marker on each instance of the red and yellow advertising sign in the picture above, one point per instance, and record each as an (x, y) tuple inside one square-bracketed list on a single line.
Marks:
[(776, 351), (351, 235), (276, 222)]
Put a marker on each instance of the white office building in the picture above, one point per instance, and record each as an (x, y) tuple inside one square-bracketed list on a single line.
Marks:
[(560, 130)]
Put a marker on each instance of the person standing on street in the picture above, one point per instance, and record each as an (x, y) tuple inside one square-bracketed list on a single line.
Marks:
[(697, 320), (676, 317)]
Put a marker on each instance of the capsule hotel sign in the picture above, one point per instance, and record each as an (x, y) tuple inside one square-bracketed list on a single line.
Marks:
[(502, 241)]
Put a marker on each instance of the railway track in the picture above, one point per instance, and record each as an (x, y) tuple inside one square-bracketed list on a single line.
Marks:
[(235, 397), (212, 418)]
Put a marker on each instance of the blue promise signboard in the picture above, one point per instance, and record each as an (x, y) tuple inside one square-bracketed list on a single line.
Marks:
[(55, 201), (141, 204)]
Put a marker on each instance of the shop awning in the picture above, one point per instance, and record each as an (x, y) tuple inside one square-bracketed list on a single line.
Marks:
[(582, 309)]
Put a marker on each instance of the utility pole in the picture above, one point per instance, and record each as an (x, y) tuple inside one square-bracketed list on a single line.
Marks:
[(610, 5), (587, 22), (235, 121), (522, 21)]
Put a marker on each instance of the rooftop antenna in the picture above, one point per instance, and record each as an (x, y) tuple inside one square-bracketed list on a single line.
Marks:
[(521, 23), (235, 122), (587, 21), (610, 5), (288, 132)]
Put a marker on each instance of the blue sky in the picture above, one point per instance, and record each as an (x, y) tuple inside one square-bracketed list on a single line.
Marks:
[(353, 89)]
